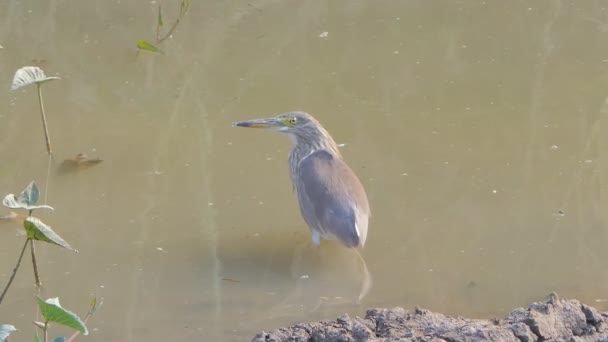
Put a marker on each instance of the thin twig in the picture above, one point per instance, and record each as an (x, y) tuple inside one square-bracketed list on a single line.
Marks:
[(46, 131), (10, 281), (33, 248)]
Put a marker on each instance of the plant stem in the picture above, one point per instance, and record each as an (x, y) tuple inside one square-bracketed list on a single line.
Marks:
[(46, 131), (185, 4), (10, 281), (46, 324), (34, 263), (159, 23), (76, 333)]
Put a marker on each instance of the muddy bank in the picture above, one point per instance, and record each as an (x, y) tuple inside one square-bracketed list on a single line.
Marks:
[(553, 320)]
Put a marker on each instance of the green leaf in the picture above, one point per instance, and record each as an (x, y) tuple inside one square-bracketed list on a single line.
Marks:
[(26, 199), (5, 330), (38, 230), (144, 45), (36, 338), (52, 311), (59, 339), (29, 75), (93, 306)]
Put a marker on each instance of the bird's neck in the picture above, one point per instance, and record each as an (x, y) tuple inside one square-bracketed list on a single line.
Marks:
[(303, 147)]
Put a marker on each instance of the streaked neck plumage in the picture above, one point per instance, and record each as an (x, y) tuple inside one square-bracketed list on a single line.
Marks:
[(307, 141)]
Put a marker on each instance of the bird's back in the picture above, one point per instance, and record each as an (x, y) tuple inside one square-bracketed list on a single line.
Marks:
[(332, 199)]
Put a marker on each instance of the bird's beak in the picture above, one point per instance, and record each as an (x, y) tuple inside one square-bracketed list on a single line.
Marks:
[(260, 123)]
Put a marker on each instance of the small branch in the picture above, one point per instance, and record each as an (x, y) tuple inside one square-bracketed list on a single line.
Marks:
[(46, 131), (33, 248), (10, 281)]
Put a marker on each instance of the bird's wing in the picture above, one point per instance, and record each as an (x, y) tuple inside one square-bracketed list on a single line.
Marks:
[(332, 199)]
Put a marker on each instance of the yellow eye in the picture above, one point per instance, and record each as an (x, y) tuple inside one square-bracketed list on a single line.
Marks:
[(292, 121)]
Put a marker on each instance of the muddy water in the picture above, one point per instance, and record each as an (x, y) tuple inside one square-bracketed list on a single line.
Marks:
[(476, 128)]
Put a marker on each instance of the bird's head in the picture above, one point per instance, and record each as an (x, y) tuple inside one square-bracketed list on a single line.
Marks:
[(304, 131), (291, 123)]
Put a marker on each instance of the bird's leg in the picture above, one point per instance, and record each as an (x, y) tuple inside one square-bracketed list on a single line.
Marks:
[(316, 239)]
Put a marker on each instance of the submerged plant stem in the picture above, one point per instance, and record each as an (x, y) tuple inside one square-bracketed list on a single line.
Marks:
[(33, 248), (10, 281), (184, 5), (46, 131)]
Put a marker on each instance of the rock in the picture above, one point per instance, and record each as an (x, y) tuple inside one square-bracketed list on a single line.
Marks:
[(550, 321)]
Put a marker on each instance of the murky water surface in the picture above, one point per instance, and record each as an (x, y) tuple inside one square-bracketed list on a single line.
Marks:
[(476, 128)]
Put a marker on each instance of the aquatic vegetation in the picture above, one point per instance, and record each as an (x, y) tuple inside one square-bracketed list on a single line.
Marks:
[(147, 46), (53, 312), (35, 229), (34, 75), (5, 331)]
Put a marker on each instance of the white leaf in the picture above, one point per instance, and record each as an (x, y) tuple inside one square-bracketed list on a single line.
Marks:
[(29, 75), (53, 301), (5, 330)]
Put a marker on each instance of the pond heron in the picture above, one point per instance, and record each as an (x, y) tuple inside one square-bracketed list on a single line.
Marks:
[(332, 200)]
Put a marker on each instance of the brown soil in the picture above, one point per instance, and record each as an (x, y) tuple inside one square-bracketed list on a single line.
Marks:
[(553, 320)]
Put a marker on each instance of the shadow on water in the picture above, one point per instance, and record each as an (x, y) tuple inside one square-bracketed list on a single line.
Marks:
[(323, 278)]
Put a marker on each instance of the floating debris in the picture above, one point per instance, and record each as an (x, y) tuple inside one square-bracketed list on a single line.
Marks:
[(560, 213), (80, 162), (13, 217), (231, 280), (324, 34)]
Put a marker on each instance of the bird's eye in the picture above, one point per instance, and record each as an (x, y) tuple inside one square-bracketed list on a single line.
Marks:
[(293, 120)]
